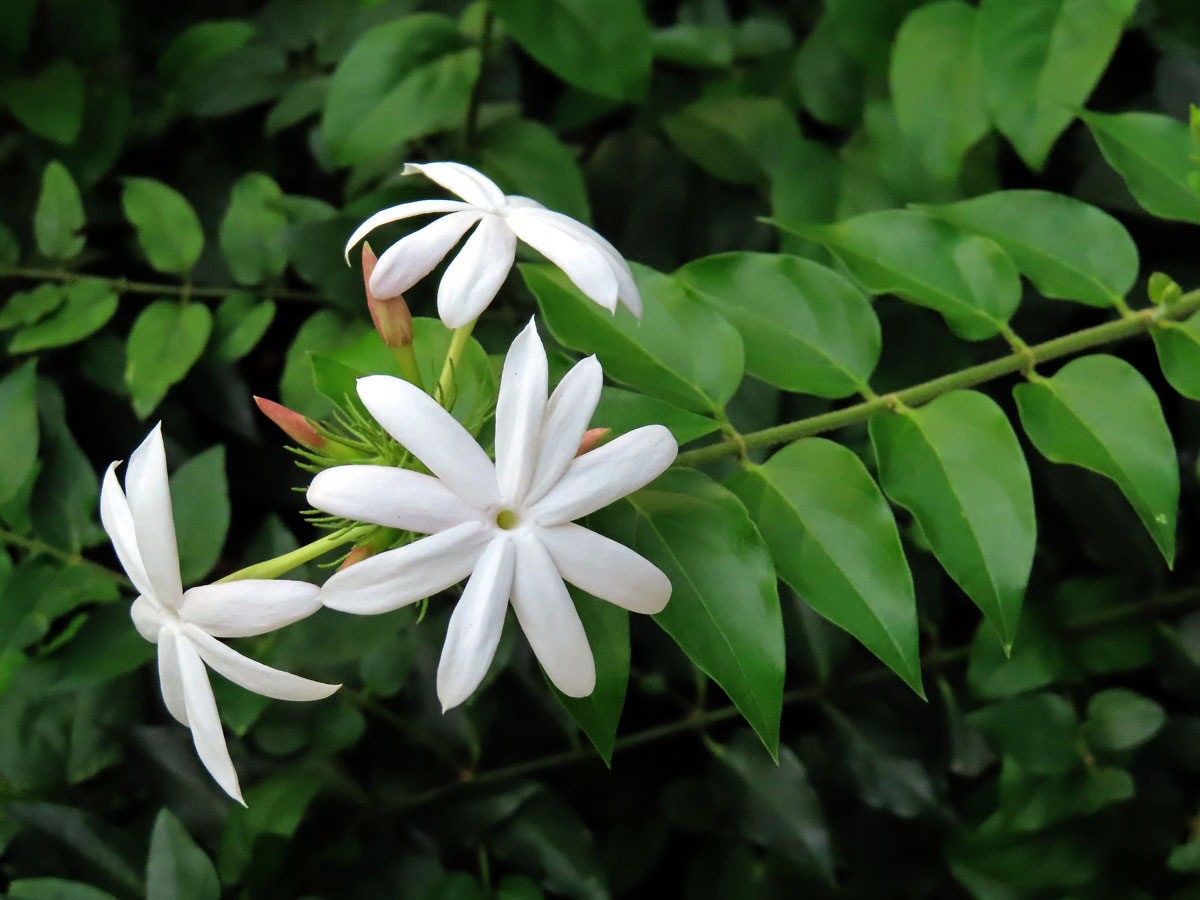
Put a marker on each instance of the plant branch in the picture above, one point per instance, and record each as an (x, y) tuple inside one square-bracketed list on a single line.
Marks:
[(280, 565), (1129, 326), (125, 286), (33, 545)]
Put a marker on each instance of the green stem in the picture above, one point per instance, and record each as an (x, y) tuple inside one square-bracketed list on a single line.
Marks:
[(125, 286), (33, 545), (445, 385), (406, 358), (1075, 342), (273, 568)]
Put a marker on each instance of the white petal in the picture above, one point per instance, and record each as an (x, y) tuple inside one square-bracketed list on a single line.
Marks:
[(148, 618), (170, 679), (606, 569), (516, 201), (476, 625), (403, 211), (415, 255), (117, 520), (607, 473), (407, 574), (245, 608), (582, 262), (433, 436), (149, 494), (474, 187), (519, 412), (567, 416), (385, 495), (475, 275), (252, 675), (204, 720), (549, 620)]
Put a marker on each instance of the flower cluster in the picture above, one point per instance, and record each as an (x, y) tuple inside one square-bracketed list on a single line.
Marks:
[(507, 526)]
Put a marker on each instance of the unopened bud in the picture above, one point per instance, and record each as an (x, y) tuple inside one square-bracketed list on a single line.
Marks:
[(1163, 290), (294, 425), (356, 555), (392, 319), (591, 439)]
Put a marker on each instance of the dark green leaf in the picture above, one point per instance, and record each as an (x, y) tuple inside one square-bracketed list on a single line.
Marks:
[(64, 509), (322, 332), (1029, 802), (85, 835), (59, 214), (1039, 731), (835, 542), (1068, 249), (957, 466), (54, 889), (1098, 412), (745, 140), (274, 807), (167, 228), (200, 498), (1119, 719), (251, 233), (301, 101), (454, 886), (27, 307), (724, 608), (805, 328), (526, 158), (50, 103), (239, 324), (177, 869), (548, 838), (518, 887), (623, 411), (1178, 346), (166, 339), (90, 304), (18, 423)]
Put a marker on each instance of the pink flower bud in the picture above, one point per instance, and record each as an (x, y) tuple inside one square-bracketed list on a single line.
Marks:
[(591, 439), (392, 319), (294, 425), (356, 555)]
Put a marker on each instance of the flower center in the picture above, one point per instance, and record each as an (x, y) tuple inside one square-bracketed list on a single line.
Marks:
[(506, 519)]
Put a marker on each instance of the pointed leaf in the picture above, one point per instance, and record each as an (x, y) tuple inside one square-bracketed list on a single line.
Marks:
[(200, 500), (1098, 412), (251, 233), (19, 425), (166, 339), (240, 323), (957, 466), (59, 214), (177, 869), (1119, 719), (167, 228), (90, 304), (835, 542)]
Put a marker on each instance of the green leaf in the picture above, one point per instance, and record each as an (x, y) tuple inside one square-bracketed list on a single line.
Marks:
[(834, 540), (1119, 719), (213, 69), (10, 247), (518, 887), (176, 868), (50, 103), (400, 81), (1041, 59), (695, 45), (27, 307), (167, 228), (680, 351), (599, 713), (957, 466), (1151, 152), (166, 339), (54, 889), (454, 886), (1068, 249), (603, 49), (527, 158), (936, 80), (777, 806), (805, 327), (321, 332), (200, 45), (251, 233), (200, 499), (274, 808), (19, 425), (545, 837), (968, 279), (724, 609), (623, 411), (1029, 802), (1039, 731), (64, 506), (303, 99), (239, 324), (90, 304), (59, 214), (88, 837), (1178, 346), (745, 140), (1098, 412)]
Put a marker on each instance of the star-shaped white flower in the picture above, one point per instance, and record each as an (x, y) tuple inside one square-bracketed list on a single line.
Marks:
[(476, 273), (186, 625), (508, 525)]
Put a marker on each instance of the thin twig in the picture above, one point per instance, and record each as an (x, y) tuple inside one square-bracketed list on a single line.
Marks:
[(125, 286)]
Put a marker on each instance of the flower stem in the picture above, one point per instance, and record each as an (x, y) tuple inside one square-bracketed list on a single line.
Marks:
[(273, 568), (1129, 326), (445, 393), (406, 358)]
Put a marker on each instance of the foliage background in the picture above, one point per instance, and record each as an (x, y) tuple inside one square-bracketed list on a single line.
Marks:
[(1069, 769)]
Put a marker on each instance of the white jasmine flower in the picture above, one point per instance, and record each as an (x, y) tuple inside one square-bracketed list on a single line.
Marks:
[(186, 625), (475, 275), (508, 525)]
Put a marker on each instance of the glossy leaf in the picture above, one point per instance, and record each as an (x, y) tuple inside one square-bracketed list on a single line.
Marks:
[(90, 304), (623, 411), (50, 103), (968, 279), (251, 233), (1098, 412), (239, 324), (805, 328), (834, 540), (1068, 249), (176, 868), (166, 339), (167, 228), (680, 351), (957, 466), (1178, 346), (200, 498), (603, 49), (19, 425), (936, 80), (58, 218), (1151, 152), (1041, 59), (724, 608)]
